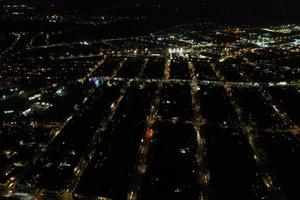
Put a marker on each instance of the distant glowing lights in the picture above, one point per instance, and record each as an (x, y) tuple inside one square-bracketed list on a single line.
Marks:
[(96, 81), (282, 83), (34, 97), (8, 112), (60, 92), (84, 43), (150, 133)]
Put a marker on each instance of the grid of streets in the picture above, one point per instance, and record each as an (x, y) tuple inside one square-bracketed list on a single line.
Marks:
[(193, 112)]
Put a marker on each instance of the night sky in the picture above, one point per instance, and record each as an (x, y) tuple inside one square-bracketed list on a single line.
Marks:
[(224, 4), (193, 7)]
